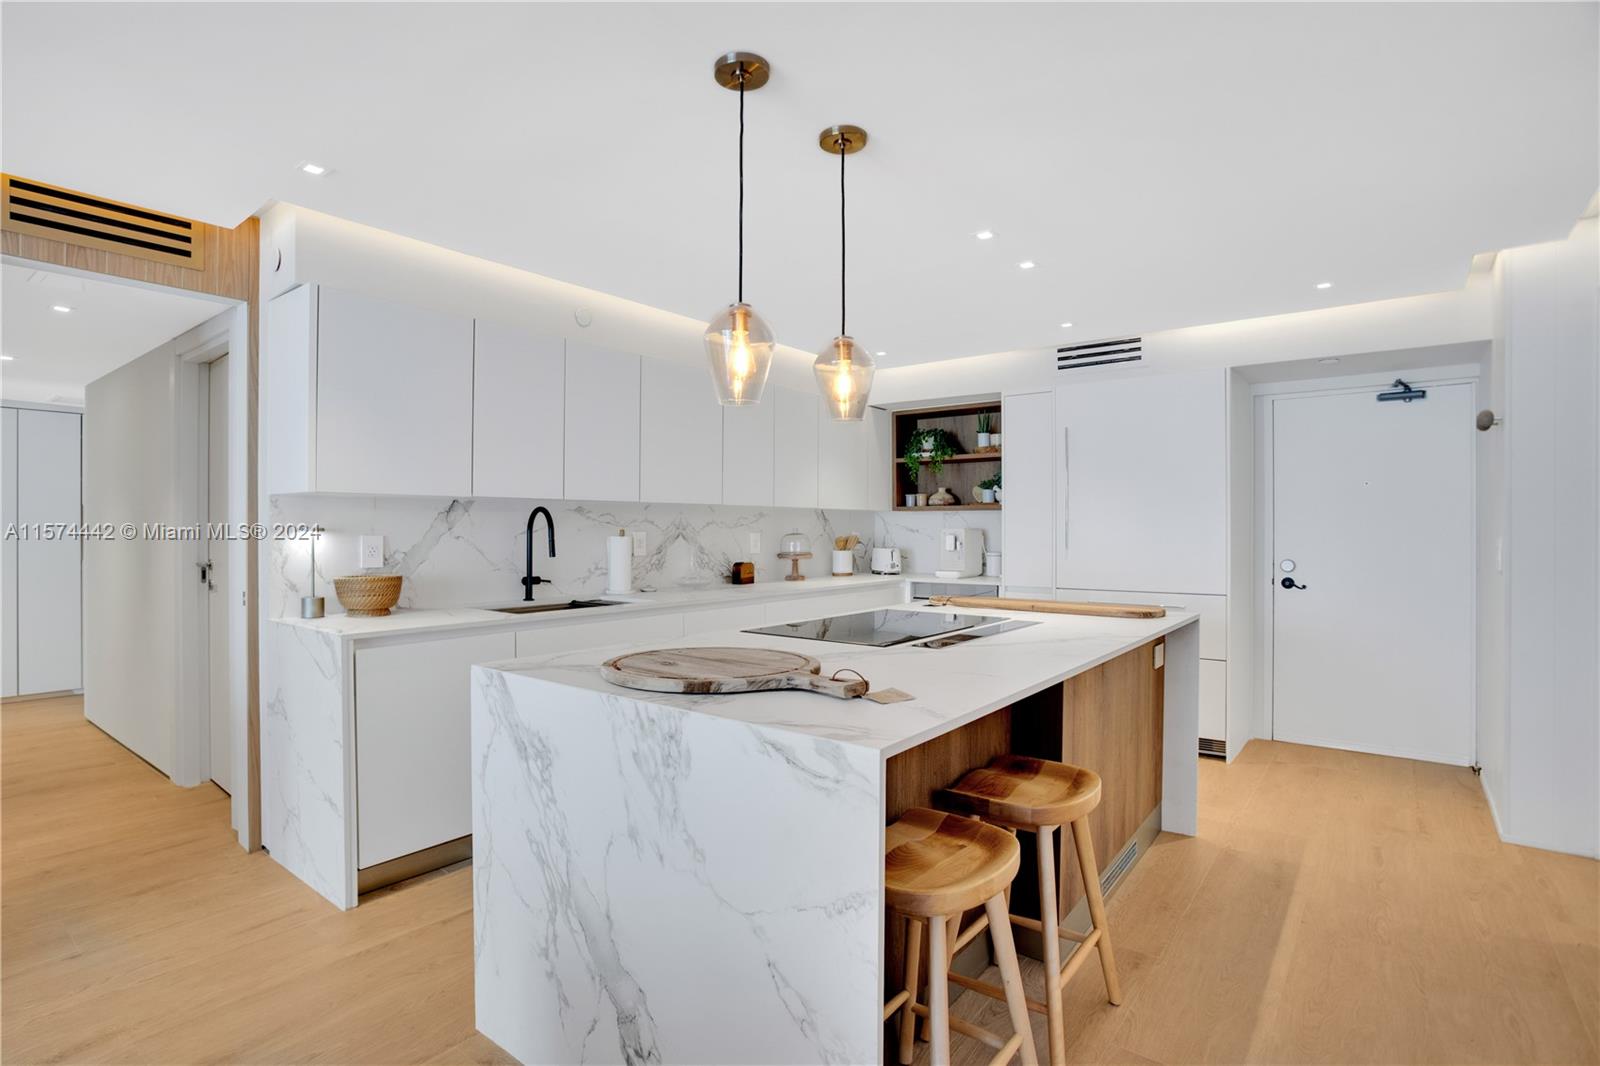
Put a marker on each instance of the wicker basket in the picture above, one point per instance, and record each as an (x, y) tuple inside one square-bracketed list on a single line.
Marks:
[(368, 595)]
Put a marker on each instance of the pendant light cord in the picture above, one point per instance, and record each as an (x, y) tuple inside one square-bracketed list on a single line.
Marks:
[(741, 183), (841, 235)]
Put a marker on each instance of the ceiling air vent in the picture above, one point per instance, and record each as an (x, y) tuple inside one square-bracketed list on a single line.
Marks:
[(71, 217), (1099, 353)]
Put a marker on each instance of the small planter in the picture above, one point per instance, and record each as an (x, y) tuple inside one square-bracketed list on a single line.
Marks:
[(986, 495), (994, 440), (984, 440), (911, 500)]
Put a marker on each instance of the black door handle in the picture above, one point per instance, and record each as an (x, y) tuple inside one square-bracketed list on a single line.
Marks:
[(1289, 583)]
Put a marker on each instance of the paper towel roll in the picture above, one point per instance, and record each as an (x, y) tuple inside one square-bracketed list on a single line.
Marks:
[(619, 565)]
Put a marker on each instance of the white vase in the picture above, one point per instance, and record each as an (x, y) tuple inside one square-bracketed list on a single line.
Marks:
[(997, 496), (994, 439), (988, 495), (911, 499), (983, 440)]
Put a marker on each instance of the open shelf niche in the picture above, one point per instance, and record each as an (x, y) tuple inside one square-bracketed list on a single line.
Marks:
[(961, 472)]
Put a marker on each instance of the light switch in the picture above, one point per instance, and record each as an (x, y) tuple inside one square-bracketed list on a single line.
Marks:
[(639, 550), (753, 544), (370, 552)]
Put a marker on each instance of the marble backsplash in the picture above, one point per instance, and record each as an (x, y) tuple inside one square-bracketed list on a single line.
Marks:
[(468, 552)]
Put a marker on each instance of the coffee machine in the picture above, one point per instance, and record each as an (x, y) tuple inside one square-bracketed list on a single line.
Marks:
[(960, 553)]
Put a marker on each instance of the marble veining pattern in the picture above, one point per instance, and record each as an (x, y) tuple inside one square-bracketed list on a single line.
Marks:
[(632, 904)]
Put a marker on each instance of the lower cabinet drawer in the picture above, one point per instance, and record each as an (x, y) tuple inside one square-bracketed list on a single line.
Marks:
[(413, 743), (549, 639), (715, 619), (1213, 699)]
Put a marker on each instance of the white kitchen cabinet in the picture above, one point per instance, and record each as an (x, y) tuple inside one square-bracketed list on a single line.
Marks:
[(518, 413), (1028, 473), (680, 435), (602, 423), (550, 639), (1142, 482), (795, 442), (848, 460), (1213, 611), (365, 396), (8, 578), (413, 735), (1213, 702), (49, 578), (717, 619), (394, 398), (748, 462)]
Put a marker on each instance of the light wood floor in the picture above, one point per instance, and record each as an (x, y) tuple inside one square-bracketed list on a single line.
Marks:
[(1334, 908)]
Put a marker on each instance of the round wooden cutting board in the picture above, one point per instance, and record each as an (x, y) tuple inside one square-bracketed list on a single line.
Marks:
[(725, 670)]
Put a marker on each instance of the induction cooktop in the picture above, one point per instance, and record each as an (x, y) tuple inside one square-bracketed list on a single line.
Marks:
[(878, 629)]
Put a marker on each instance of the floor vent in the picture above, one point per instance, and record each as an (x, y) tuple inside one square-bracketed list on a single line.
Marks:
[(1100, 353), (1118, 867), (41, 210), (1213, 747)]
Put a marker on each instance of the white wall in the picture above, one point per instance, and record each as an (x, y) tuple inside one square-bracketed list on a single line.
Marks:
[(1244, 576), (1543, 741), (130, 660)]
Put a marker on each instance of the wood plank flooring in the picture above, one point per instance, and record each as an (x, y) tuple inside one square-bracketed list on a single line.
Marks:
[(1335, 908)]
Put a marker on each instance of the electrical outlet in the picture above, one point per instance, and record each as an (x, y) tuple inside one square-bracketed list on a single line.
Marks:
[(754, 544), (370, 550), (639, 549)]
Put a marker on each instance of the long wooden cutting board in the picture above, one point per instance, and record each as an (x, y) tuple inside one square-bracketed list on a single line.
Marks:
[(1099, 610), (712, 670)]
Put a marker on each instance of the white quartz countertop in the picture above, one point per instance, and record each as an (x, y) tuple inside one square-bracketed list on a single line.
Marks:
[(949, 686), (418, 621)]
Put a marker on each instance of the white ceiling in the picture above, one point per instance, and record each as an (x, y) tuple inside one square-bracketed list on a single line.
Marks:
[(1165, 165), (55, 354)]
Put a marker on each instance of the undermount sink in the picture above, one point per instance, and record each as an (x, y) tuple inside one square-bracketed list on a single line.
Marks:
[(570, 605)]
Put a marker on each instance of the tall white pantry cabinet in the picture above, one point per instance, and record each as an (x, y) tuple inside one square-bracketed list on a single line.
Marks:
[(1118, 491), (42, 478)]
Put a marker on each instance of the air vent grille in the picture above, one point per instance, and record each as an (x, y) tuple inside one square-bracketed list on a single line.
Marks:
[(41, 210), (1125, 350), (1213, 747), (1118, 867)]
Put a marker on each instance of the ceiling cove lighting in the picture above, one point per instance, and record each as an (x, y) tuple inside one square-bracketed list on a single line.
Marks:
[(61, 309), (1324, 284), (985, 234), (844, 369), (1026, 264), (738, 343), (1066, 325), (316, 170)]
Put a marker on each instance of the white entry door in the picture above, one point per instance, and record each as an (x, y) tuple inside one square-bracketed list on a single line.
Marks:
[(1373, 534), (221, 719)]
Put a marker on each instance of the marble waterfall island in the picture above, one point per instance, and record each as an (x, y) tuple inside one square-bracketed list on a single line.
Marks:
[(699, 878)]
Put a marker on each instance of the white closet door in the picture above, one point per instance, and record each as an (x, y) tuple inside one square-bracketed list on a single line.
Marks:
[(394, 398), (680, 435), (747, 452), (8, 580), (794, 444), (602, 424), (518, 413), (49, 572)]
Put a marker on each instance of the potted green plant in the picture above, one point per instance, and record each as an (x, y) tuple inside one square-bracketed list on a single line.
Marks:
[(988, 489), (985, 420), (931, 446)]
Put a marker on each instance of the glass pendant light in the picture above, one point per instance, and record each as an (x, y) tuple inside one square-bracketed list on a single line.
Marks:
[(738, 343), (844, 368)]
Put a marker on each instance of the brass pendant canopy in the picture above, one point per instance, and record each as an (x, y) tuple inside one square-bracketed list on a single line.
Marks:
[(738, 341), (842, 140)]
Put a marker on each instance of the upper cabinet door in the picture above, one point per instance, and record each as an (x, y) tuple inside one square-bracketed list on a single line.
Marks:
[(1028, 470), (680, 457), (394, 398), (845, 452), (1143, 488), (747, 452), (518, 414), (602, 424), (794, 467)]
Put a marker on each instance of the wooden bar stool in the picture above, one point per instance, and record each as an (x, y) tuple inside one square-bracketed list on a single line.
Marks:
[(1041, 796), (937, 866)]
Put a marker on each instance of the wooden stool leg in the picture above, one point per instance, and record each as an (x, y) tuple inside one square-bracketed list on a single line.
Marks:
[(908, 1016), (939, 991), (1005, 956), (952, 929), (1048, 934), (1097, 906)]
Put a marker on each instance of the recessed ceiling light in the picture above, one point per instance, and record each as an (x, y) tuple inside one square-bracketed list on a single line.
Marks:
[(985, 234), (882, 354), (1324, 284), (1026, 264), (6, 358), (1066, 325), (61, 308), (316, 170), (1328, 360)]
